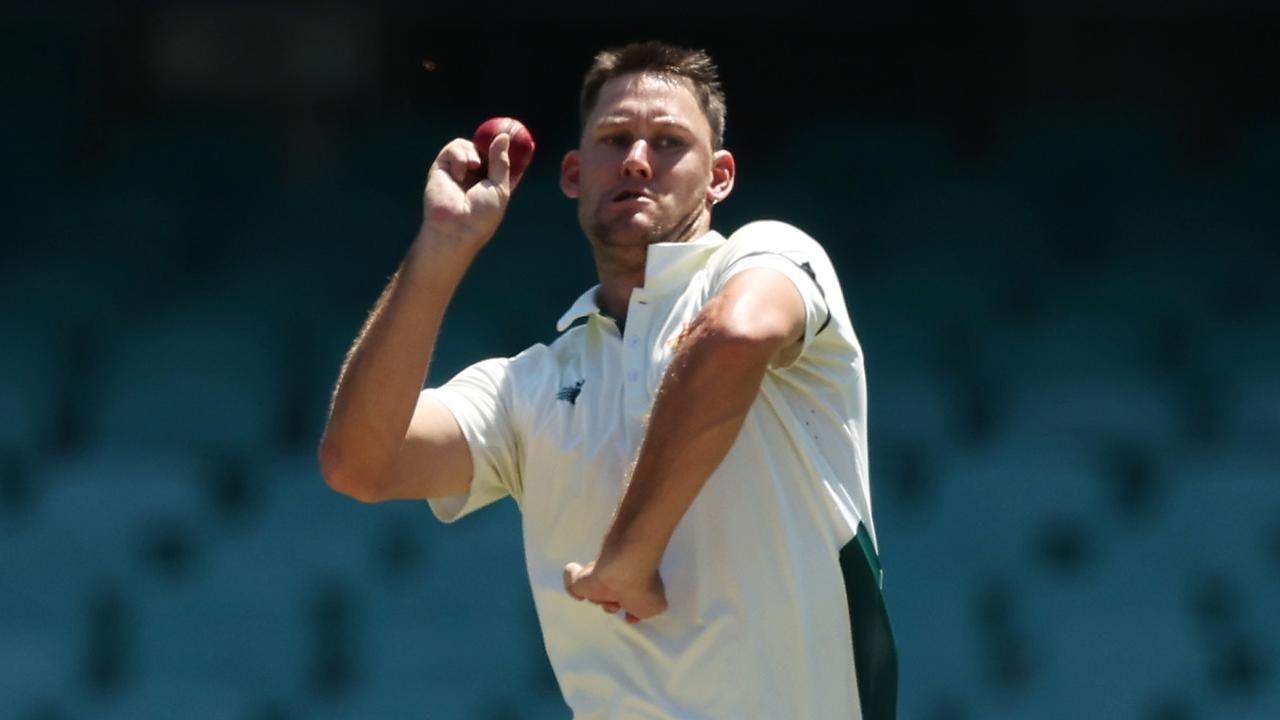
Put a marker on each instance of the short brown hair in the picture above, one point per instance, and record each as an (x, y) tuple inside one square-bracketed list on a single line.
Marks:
[(657, 58)]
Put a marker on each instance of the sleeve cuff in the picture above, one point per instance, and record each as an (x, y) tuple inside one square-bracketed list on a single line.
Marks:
[(485, 486)]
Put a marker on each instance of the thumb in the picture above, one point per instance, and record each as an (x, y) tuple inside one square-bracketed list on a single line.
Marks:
[(572, 572), (500, 162)]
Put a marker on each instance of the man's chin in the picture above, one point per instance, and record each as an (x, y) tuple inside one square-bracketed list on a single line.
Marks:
[(634, 231)]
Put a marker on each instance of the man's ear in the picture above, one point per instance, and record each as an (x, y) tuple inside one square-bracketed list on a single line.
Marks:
[(569, 168), (723, 171)]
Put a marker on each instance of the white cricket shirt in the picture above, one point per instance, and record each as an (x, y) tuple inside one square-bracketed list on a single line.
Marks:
[(758, 625)]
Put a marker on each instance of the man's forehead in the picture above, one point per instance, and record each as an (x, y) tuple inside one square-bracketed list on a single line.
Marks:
[(668, 94)]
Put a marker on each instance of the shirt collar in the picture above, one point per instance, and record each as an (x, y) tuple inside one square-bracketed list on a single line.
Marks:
[(666, 265), (585, 305)]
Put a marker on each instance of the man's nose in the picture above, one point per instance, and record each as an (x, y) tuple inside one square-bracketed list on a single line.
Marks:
[(636, 164)]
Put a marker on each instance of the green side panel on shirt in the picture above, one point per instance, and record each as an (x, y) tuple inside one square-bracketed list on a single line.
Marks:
[(875, 655)]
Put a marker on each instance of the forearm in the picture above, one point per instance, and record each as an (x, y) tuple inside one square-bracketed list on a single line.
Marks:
[(387, 365), (701, 406)]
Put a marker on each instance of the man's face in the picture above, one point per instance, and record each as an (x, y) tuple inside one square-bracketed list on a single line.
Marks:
[(645, 171)]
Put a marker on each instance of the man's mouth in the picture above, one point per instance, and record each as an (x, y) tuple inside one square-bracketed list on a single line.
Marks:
[(629, 195)]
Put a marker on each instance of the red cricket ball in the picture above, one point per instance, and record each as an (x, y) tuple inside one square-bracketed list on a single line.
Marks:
[(520, 151)]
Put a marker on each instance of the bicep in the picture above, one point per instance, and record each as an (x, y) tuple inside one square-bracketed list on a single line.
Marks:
[(435, 460)]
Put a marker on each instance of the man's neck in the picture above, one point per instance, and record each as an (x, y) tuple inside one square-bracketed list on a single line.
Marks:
[(622, 272), (614, 294)]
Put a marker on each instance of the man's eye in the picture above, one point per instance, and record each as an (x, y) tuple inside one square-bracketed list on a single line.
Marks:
[(669, 141), (614, 140)]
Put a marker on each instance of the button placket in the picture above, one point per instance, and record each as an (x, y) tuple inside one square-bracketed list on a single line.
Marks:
[(634, 357)]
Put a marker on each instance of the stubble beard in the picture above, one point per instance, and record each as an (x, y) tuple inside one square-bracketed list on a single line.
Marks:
[(615, 235)]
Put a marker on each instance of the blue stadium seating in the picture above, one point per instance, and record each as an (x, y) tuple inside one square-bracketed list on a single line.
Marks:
[(1132, 409), (1071, 346), (199, 381)]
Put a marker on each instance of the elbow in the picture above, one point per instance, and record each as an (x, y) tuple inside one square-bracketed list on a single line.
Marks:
[(763, 334), (747, 337), (342, 478), (756, 315)]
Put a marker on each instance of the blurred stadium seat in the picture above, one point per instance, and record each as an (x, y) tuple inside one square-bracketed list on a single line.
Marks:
[(116, 513), (208, 382), (105, 520), (1104, 408)]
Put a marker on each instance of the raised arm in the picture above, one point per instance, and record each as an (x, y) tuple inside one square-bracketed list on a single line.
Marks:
[(757, 319), (383, 441)]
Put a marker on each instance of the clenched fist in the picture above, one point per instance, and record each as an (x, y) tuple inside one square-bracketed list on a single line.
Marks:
[(461, 207), (641, 597)]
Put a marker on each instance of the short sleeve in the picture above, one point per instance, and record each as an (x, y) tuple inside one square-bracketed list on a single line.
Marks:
[(479, 399), (784, 248)]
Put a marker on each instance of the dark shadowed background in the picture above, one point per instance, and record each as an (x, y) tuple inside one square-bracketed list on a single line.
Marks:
[(1056, 224)]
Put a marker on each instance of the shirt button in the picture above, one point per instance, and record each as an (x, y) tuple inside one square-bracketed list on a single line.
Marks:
[(633, 342), (632, 375)]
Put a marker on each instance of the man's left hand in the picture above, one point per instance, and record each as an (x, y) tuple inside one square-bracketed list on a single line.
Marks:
[(641, 596)]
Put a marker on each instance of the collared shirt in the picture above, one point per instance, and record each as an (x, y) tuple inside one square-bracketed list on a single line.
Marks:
[(757, 625)]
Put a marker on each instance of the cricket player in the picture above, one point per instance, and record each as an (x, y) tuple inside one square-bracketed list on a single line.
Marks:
[(689, 455)]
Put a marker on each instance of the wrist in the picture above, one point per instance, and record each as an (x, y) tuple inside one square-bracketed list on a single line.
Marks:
[(630, 559), (436, 253), (459, 234)]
